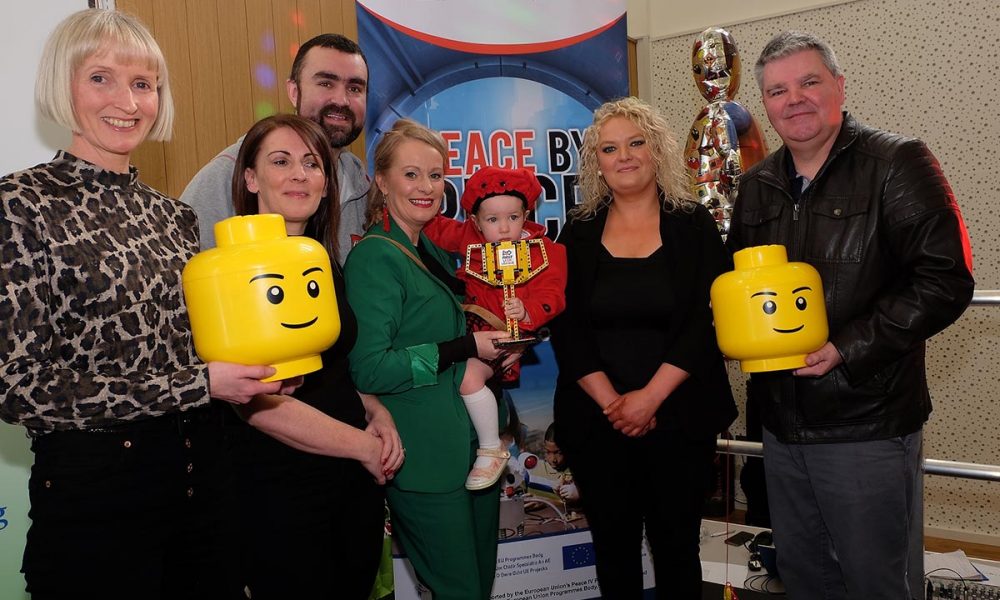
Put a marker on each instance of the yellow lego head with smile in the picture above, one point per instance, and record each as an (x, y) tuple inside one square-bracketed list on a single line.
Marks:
[(262, 298), (769, 313)]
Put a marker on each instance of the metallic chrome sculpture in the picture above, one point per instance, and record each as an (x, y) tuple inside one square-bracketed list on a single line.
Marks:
[(725, 139)]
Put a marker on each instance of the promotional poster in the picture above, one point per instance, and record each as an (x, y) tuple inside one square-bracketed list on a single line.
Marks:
[(511, 84)]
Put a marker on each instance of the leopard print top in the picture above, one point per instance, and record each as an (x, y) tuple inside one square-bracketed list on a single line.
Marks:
[(95, 329)]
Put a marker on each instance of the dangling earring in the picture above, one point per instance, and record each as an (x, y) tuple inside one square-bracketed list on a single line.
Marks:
[(385, 212)]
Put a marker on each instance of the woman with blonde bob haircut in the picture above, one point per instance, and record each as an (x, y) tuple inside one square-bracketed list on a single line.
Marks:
[(642, 386), (99, 32), (131, 485)]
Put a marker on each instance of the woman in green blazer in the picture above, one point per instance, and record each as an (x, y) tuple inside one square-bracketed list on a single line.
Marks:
[(411, 351)]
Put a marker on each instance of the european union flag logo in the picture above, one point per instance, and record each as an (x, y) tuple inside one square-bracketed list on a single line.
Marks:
[(578, 555)]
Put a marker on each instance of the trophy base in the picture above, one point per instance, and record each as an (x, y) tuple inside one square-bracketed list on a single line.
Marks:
[(519, 345)]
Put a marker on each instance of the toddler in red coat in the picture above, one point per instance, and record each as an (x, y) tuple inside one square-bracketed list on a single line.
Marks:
[(496, 202)]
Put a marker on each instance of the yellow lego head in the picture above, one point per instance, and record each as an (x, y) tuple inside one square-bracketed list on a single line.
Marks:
[(262, 298), (769, 313)]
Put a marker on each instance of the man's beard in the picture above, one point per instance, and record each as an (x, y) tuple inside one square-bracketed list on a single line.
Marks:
[(336, 135)]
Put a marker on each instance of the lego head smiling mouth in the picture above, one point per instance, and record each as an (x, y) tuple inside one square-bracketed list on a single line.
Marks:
[(770, 307), (306, 324)]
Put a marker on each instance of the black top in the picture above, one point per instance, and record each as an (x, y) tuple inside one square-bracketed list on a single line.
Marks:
[(329, 390), (631, 308), (626, 317)]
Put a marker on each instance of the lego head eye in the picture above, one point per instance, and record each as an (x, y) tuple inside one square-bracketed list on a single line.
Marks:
[(275, 294), (312, 288), (770, 307), (800, 303)]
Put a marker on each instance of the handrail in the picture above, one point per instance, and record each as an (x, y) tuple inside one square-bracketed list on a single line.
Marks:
[(985, 297), (932, 466)]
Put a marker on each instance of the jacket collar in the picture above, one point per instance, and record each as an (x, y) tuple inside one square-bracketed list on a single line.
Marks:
[(396, 234), (776, 171)]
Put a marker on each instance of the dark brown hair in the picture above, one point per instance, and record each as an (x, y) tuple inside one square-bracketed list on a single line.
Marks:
[(322, 225), (325, 40)]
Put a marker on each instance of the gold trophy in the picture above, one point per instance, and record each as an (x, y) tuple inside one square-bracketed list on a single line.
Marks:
[(507, 265)]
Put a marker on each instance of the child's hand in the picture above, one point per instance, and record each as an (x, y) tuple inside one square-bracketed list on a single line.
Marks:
[(514, 309)]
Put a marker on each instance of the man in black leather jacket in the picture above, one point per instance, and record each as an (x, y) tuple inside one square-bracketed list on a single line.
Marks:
[(872, 212)]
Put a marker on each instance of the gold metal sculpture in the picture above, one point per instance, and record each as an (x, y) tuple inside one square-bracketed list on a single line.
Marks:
[(507, 265)]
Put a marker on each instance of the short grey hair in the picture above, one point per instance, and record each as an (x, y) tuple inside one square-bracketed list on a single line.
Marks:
[(787, 43), (88, 32)]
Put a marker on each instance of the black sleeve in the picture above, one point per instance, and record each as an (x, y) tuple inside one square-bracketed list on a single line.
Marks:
[(692, 344), (455, 351), (573, 341)]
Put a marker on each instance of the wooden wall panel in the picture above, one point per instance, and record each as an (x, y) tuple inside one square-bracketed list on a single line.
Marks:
[(333, 16), (149, 157), (181, 152), (234, 51), (286, 37), (633, 69), (206, 77), (348, 19), (311, 23), (263, 70)]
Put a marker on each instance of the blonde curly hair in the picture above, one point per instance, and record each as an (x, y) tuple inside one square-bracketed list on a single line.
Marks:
[(671, 176)]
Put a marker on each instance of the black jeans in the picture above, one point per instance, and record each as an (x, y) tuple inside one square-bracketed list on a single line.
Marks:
[(141, 510), (311, 526), (657, 482)]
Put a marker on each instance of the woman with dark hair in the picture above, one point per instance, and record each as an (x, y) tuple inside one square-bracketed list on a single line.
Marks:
[(642, 390), (131, 485), (316, 460)]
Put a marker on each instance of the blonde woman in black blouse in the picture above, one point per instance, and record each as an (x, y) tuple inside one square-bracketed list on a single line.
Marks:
[(642, 390)]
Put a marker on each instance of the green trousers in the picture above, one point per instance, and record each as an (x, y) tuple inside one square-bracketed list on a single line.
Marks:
[(450, 539)]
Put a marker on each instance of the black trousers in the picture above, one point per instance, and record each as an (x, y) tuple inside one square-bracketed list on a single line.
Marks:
[(311, 526), (139, 511), (658, 481)]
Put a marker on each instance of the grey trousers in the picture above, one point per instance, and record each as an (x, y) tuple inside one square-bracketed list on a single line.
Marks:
[(848, 517)]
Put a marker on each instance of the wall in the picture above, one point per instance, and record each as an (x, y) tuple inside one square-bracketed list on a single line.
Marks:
[(228, 62), (931, 70), (656, 19), (28, 139)]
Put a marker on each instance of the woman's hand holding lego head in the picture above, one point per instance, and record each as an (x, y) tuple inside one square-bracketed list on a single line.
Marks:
[(238, 384)]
